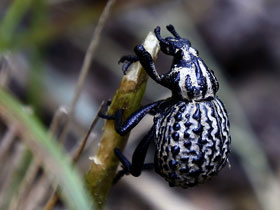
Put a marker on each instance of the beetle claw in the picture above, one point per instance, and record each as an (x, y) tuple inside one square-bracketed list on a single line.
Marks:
[(102, 112), (127, 60)]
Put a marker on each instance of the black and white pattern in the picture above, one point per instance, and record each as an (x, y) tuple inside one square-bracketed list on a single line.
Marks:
[(195, 80), (192, 142), (191, 128)]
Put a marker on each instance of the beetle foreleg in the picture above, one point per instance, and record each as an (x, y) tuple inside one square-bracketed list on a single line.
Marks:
[(127, 60), (147, 62)]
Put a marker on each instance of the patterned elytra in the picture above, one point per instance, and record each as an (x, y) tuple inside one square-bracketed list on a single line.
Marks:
[(191, 128), (192, 142)]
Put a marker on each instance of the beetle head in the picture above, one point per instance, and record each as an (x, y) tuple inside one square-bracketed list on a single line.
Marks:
[(172, 45)]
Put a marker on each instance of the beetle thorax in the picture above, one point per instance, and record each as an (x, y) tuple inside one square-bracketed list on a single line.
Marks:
[(194, 80)]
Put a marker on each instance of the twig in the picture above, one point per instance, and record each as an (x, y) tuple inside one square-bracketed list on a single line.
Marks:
[(86, 65), (84, 141), (129, 95), (7, 141), (60, 116), (4, 72), (55, 196)]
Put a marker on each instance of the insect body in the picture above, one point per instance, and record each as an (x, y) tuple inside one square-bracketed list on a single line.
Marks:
[(191, 128)]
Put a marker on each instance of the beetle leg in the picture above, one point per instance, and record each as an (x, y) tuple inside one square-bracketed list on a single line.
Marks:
[(148, 64), (124, 127), (127, 60), (140, 152), (102, 113), (121, 173), (137, 165)]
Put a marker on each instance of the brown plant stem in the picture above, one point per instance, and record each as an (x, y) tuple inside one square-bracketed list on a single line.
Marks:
[(129, 95)]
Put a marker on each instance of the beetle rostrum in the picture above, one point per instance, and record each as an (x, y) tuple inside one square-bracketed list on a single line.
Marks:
[(191, 128)]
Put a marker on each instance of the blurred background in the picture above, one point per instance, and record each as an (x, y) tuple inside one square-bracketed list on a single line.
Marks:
[(42, 52)]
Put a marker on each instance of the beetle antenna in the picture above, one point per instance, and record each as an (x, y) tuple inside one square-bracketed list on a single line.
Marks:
[(157, 33), (172, 30)]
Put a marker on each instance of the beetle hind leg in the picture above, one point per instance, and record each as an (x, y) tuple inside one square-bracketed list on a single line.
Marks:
[(137, 165), (121, 173)]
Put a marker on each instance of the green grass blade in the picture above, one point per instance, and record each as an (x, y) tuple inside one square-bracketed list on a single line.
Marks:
[(44, 147), (11, 21)]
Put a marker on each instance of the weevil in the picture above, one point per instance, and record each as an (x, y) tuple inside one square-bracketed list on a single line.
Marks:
[(190, 129)]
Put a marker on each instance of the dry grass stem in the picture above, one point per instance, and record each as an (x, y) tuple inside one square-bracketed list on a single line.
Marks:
[(14, 162), (46, 150), (7, 141), (86, 64), (85, 138), (35, 165), (25, 185), (60, 116)]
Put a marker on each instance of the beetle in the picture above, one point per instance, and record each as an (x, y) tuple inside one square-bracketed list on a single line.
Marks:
[(191, 128)]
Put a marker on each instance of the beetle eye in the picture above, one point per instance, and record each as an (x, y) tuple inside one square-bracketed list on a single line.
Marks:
[(179, 53)]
